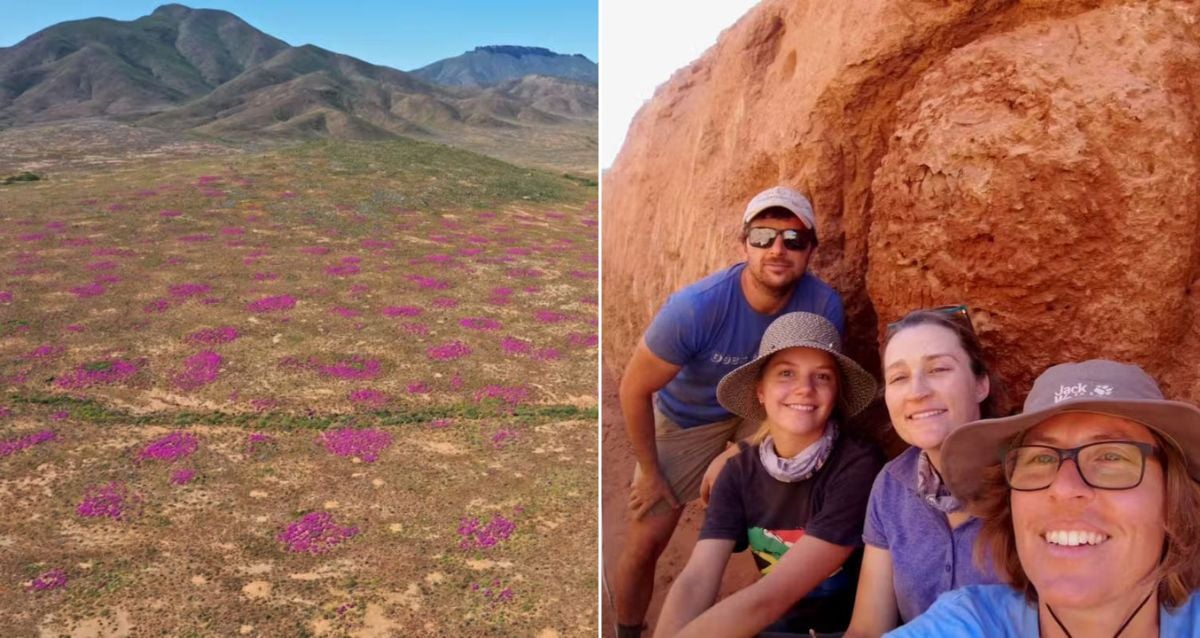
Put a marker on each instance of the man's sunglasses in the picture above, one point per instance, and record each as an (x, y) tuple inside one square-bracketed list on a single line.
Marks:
[(957, 312), (762, 237)]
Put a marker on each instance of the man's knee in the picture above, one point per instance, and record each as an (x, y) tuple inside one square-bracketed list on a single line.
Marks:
[(648, 538)]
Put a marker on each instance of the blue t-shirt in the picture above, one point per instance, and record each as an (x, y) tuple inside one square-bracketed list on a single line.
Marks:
[(999, 611), (709, 329), (928, 558)]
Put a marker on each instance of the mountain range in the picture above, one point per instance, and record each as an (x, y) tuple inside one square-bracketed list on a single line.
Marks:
[(491, 65), (209, 73)]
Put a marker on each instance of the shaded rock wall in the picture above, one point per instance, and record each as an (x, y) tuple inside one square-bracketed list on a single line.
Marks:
[(1036, 160)]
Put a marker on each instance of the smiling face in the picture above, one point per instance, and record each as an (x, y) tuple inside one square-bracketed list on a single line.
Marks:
[(1083, 547), (930, 388), (776, 269), (798, 390)]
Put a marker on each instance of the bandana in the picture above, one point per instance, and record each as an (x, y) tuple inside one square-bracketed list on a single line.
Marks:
[(932, 489), (802, 466)]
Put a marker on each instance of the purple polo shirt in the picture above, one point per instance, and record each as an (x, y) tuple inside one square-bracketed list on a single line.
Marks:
[(928, 558)]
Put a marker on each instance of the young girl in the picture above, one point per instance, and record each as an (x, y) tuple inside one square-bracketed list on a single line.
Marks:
[(801, 490), (918, 537)]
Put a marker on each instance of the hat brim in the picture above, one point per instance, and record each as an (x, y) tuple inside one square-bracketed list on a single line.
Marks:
[(974, 447), (737, 390)]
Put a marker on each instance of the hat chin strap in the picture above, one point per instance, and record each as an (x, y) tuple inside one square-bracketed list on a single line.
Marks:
[(1120, 629)]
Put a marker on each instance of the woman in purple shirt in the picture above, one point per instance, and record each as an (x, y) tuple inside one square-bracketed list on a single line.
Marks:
[(918, 537)]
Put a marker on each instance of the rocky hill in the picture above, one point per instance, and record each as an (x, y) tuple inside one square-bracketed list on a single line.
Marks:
[(208, 72), (492, 65), (1035, 160)]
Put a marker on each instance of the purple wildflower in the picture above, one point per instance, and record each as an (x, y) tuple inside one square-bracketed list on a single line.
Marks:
[(479, 323), (369, 398), (90, 290), (315, 533), (12, 446), (183, 291), (475, 535), (449, 351), (96, 373), (503, 437), (511, 395), (445, 302), (199, 370), (214, 336), (113, 500), (183, 476), (512, 345), (440, 423), (270, 304), (548, 316), (156, 306), (170, 447), (48, 581), (365, 444), (402, 311), (429, 282), (355, 367)]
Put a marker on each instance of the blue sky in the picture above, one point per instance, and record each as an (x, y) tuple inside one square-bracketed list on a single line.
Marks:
[(403, 34)]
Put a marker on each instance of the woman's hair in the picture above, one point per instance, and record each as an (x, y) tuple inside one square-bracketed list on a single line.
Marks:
[(997, 403), (1178, 573)]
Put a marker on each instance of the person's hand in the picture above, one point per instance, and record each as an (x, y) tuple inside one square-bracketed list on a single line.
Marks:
[(714, 470), (649, 488)]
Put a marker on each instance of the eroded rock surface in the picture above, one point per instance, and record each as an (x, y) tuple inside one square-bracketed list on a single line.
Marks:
[(1036, 160)]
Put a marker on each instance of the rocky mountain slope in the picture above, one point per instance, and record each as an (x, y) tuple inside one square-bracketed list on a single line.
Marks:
[(208, 72)]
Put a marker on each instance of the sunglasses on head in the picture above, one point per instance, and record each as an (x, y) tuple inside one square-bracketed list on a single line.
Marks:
[(958, 313), (763, 237)]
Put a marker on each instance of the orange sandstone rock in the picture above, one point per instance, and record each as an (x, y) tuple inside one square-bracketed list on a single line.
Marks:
[(1035, 160)]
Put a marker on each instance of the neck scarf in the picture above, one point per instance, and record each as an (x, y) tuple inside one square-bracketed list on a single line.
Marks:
[(802, 466), (932, 489)]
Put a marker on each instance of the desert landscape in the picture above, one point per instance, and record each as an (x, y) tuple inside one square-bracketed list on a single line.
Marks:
[(294, 385)]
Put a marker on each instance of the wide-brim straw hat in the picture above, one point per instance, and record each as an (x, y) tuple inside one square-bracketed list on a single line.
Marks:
[(1096, 386), (737, 390)]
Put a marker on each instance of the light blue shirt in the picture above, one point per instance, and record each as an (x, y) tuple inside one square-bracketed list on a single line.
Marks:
[(999, 611)]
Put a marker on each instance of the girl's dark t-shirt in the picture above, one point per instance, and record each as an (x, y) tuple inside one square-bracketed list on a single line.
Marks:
[(766, 515)]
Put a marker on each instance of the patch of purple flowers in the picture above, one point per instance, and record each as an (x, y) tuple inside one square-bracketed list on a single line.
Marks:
[(183, 291), (12, 446), (479, 323), (113, 500), (90, 290), (214, 336), (315, 533), (97, 373), (199, 370), (183, 476), (270, 304), (355, 367), (476, 535), (503, 437), (511, 395), (369, 398), (170, 448), (365, 444), (512, 345), (449, 351), (49, 581), (402, 311)]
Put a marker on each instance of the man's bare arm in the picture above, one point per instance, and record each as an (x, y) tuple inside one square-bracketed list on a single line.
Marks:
[(645, 375)]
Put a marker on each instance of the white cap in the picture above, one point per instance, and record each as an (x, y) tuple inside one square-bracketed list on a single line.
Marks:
[(783, 197)]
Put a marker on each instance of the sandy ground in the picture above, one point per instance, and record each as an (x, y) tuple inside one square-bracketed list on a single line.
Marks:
[(616, 471)]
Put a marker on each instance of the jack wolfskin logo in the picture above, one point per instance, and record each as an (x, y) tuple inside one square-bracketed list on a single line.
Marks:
[(1102, 390), (1066, 392)]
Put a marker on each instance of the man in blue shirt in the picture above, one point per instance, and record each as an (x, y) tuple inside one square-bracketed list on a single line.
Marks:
[(703, 332)]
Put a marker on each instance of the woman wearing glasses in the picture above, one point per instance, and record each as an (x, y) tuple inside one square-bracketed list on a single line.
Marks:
[(1092, 515), (918, 536)]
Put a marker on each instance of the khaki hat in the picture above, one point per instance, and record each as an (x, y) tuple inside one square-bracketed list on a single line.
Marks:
[(736, 391), (782, 197), (1097, 386)]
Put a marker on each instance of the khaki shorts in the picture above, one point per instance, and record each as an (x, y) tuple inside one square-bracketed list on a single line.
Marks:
[(684, 453)]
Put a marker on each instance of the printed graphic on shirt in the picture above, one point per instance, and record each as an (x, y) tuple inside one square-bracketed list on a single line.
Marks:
[(769, 545)]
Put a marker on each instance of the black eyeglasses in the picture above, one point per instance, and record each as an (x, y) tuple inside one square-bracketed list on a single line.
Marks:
[(1106, 465), (958, 312), (762, 237)]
